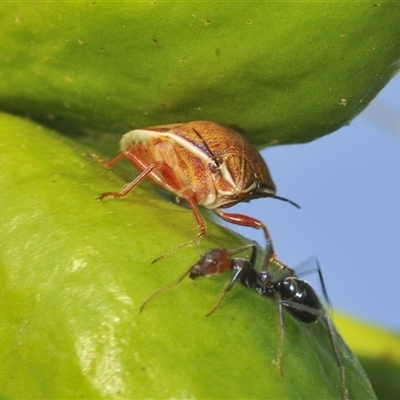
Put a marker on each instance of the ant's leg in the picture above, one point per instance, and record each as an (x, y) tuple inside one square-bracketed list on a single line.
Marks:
[(332, 333), (226, 290), (281, 338)]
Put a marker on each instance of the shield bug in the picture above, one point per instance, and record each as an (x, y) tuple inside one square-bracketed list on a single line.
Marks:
[(201, 162), (274, 280)]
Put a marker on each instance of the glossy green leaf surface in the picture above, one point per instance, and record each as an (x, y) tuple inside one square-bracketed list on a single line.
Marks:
[(280, 72), (74, 272), (378, 352)]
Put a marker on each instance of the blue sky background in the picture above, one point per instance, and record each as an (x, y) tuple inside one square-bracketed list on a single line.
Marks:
[(348, 186)]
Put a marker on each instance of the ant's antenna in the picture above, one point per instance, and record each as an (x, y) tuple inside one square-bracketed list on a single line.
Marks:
[(174, 249), (163, 289)]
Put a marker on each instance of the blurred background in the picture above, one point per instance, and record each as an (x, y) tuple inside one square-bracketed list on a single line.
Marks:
[(348, 186)]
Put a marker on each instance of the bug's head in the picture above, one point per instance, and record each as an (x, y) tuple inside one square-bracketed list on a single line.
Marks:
[(261, 191), (267, 190)]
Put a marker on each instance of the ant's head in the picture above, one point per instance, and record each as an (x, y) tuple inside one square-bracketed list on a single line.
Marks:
[(214, 262)]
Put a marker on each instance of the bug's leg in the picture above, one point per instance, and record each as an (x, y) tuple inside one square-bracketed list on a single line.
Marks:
[(245, 220), (226, 290), (163, 289), (189, 197), (107, 163), (131, 185)]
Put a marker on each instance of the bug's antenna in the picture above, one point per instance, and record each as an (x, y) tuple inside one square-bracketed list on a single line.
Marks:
[(215, 158), (287, 200), (209, 151)]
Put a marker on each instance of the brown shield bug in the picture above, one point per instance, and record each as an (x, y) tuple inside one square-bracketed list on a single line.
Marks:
[(202, 162)]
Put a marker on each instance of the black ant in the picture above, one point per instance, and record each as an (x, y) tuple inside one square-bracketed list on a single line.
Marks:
[(295, 295)]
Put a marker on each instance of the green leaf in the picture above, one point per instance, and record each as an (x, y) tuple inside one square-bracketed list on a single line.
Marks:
[(378, 352), (281, 72), (74, 272)]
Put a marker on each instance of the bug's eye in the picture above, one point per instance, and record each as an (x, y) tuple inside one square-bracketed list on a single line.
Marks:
[(214, 167)]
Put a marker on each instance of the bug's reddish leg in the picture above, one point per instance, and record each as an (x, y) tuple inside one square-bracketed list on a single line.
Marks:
[(131, 185), (189, 197), (245, 220), (107, 163)]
